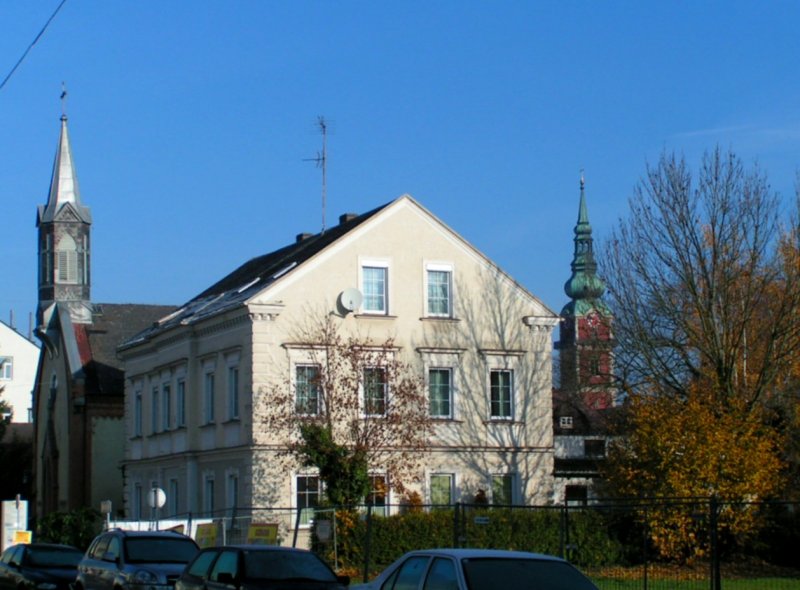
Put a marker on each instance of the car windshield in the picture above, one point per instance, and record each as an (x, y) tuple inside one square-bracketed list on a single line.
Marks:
[(283, 565), (53, 557), (159, 550), (483, 574)]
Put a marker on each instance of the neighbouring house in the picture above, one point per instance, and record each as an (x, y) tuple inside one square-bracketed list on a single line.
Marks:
[(585, 398), (78, 393), (18, 357), (197, 380)]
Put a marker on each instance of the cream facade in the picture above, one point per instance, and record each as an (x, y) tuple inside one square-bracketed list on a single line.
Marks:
[(18, 359), (197, 382)]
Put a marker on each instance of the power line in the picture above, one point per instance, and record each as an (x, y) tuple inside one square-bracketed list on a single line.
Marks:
[(24, 55)]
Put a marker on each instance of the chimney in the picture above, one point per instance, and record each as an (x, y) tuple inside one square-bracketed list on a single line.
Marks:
[(303, 236), (345, 217)]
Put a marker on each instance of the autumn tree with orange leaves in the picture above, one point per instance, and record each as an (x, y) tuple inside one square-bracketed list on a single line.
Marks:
[(704, 283), (353, 406)]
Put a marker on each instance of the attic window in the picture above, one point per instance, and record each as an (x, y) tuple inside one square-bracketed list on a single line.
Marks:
[(565, 421)]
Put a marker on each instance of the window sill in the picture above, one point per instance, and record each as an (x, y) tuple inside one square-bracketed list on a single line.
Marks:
[(445, 420), (232, 421), (499, 420), (376, 316), (208, 424), (440, 318)]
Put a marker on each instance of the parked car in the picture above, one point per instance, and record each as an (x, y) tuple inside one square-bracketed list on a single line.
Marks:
[(478, 569), (259, 567), (127, 560), (38, 566)]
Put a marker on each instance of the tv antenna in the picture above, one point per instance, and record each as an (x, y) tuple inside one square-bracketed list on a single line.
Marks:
[(321, 160)]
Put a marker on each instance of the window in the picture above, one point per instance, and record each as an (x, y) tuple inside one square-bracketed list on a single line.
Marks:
[(6, 368), (441, 575), (594, 448), (166, 406), (180, 404), (208, 397), (208, 494), (377, 496), (137, 413), (233, 393), (225, 568), (136, 509), (411, 572), (503, 490), (565, 421), (440, 391), (67, 261), (440, 291), (309, 492), (374, 288), (306, 382), (501, 389), (232, 491), (442, 489), (576, 496), (375, 389), (154, 410), (172, 497)]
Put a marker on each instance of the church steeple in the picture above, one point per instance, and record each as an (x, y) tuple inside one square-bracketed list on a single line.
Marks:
[(585, 338), (584, 287), (64, 246)]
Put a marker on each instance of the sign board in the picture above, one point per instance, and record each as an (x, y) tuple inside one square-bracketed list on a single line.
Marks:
[(14, 516), (481, 520), (206, 535), (323, 530), (262, 533), (22, 537)]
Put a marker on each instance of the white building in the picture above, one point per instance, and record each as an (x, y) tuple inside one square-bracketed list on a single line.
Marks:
[(196, 379), (18, 359)]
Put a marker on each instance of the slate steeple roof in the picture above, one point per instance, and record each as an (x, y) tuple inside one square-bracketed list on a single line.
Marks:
[(64, 189)]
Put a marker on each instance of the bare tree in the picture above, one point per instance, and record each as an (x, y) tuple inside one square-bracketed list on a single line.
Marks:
[(355, 406), (702, 282)]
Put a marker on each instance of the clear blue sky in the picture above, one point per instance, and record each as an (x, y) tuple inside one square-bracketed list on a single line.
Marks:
[(190, 121)]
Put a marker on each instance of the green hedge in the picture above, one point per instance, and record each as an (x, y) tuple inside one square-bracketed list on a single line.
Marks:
[(586, 540)]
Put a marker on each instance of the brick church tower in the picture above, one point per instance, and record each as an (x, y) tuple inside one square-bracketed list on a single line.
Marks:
[(585, 335)]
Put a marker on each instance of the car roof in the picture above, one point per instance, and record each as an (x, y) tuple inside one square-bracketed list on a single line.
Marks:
[(59, 546), (262, 548), (484, 553), (165, 534)]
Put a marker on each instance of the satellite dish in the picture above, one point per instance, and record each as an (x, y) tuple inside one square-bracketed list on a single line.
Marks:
[(350, 299)]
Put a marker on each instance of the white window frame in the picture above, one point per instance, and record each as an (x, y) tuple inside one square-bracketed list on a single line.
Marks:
[(452, 486), (7, 372), (565, 422), (379, 509), (377, 264), (512, 395), (306, 516), (297, 388), (386, 392), (439, 267), (450, 391)]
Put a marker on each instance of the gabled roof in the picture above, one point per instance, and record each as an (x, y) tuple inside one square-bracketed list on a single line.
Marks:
[(260, 273)]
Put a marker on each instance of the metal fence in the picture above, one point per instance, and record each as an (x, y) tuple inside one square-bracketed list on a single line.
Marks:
[(621, 545)]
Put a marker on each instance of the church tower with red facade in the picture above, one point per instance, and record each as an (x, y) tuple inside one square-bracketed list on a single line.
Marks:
[(585, 336)]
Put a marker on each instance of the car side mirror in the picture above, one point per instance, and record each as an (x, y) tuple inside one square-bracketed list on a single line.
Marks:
[(343, 580), (108, 556)]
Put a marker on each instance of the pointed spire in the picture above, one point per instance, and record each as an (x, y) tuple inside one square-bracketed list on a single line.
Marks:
[(64, 182), (584, 284)]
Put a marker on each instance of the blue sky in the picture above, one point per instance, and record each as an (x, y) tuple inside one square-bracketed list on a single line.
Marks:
[(190, 121)]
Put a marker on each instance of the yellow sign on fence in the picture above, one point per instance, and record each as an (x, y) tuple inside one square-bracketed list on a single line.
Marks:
[(206, 535), (262, 534), (22, 537)]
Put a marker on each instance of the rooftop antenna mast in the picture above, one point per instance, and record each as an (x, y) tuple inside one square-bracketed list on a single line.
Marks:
[(321, 160)]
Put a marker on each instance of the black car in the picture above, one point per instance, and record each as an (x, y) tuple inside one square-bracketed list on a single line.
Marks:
[(128, 560), (259, 567), (38, 566)]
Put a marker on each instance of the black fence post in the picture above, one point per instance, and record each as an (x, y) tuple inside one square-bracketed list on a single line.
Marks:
[(297, 525), (367, 543), (456, 523), (716, 583), (645, 558)]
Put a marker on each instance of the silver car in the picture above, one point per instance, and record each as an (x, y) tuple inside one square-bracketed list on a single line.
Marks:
[(126, 560), (478, 569)]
